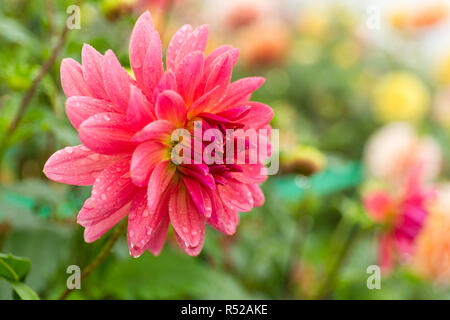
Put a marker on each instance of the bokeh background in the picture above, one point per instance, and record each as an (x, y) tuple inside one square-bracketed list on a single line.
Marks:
[(361, 94)]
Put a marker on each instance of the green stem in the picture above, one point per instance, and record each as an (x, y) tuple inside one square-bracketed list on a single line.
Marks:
[(102, 255), (340, 245)]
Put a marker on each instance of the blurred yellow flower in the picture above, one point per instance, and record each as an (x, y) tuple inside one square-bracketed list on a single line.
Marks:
[(314, 22), (400, 96), (432, 253)]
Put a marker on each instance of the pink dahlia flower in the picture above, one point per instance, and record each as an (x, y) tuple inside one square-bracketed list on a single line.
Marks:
[(403, 214), (125, 127)]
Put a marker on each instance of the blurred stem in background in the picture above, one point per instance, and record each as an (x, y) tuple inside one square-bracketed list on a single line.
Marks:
[(102, 255), (28, 96), (339, 246)]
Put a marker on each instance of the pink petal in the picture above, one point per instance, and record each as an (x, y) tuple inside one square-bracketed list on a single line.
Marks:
[(220, 73), (185, 219), (257, 194), (144, 227), (117, 81), (159, 236), (159, 182), (112, 190), (153, 65), (198, 172), (93, 232), (239, 91), (258, 116), (214, 54), (188, 75), (175, 45), (72, 80), (196, 41), (198, 196), (139, 112), (106, 133), (92, 62), (202, 103), (223, 219), (167, 82), (170, 106), (251, 173), (76, 165), (80, 108), (192, 251), (141, 37), (145, 158), (159, 130), (236, 196)]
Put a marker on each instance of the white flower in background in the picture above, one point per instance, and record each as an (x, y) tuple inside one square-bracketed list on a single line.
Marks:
[(396, 148)]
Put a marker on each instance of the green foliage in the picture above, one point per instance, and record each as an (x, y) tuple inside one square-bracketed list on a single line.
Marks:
[(14, 270)]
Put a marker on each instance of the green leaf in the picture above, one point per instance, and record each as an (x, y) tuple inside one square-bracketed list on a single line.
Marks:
[(14, 268), (23, 291)]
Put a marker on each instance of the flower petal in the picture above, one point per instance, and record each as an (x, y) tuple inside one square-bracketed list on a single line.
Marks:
[(159, 236), (159, 182), (72, 80), (167, 82), (198, 196), (117, 81), (236, 196), (80, 108), (92, 62), (258, 116), (159, 130), (112, 190), (188, 75), (192, 251), (185, 218), (170, 106), (140, 111), (175, 45), (144, 227), (145, 158), (76, 165), (257, 194), (196, 41), (239, 92), (107, 133), (140, 38), (223, 219), (94, 231), (153, 65)]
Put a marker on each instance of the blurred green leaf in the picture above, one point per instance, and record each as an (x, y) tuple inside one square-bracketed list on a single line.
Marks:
[(24, 291), (14, 268)]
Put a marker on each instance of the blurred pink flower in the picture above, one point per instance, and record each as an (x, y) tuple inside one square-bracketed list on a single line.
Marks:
[(403, 214), (125, 126)]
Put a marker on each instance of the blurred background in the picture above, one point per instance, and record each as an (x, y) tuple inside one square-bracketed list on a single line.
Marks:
[(361, 94)]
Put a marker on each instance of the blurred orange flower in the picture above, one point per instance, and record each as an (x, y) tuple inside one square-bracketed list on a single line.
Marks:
[(432, 254), (264, 44), (419, 19)]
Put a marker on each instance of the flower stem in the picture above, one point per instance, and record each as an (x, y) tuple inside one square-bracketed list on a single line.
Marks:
[(340, 245), (102, 255)]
